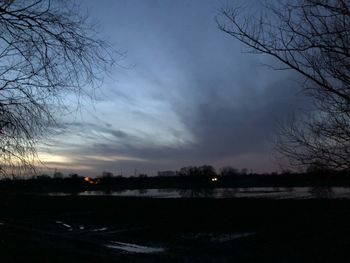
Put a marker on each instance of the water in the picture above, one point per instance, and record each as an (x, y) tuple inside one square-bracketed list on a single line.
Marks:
[(217, 237), (219, 193), (133, 248)]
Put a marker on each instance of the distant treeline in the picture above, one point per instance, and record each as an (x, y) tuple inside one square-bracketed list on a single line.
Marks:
[(188, 177)]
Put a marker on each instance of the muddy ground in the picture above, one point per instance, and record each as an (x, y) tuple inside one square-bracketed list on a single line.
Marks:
[(116, 229)]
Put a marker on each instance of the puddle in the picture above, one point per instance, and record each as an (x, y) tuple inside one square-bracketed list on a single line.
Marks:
[(99, 229), (214, 237), (65, 225), (133, 248), (79, 227), (229, 237)]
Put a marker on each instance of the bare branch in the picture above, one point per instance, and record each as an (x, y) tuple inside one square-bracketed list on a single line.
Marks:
[(47, 50), (311, 37)]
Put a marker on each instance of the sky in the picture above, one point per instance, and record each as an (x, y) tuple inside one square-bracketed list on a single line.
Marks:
[(183, 94)]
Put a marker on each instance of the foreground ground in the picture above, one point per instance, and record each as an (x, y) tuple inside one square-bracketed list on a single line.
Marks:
[(113, 229)]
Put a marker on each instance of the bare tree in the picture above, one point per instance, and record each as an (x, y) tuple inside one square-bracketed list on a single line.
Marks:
[(312, 38), (48, 51)]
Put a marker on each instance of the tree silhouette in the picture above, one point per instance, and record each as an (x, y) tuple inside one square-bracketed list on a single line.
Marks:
[(312, 38), (47, 51)]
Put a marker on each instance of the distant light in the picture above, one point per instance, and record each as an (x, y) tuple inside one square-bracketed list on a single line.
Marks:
[(87, 179), (91, 180), (214, 179)]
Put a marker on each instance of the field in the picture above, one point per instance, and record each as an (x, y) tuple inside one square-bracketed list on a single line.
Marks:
[(117, 229)]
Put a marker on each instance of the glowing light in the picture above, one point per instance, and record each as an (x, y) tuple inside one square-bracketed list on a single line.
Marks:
[(91, 180), (214, 179)]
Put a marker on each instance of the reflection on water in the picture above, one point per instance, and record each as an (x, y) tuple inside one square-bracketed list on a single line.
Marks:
[(322, 192), (143, 191), (217, 237), (252, 192), (133, 248), (196, 192)]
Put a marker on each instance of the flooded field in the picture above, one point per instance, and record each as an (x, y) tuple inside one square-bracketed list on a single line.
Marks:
[(221, 193)]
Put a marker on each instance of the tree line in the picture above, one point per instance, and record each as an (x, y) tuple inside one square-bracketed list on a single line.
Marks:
[(192, 177)]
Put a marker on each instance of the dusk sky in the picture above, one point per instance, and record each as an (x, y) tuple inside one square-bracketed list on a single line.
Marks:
[(184, 94)]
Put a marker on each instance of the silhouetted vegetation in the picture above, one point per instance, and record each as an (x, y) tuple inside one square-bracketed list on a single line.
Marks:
[(191, 179), (310, 38), (48, 50)]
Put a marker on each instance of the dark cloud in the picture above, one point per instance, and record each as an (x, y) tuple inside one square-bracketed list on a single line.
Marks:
[(225, 126)]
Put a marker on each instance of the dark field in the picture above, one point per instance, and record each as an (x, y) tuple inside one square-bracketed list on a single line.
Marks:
[(79, 229)]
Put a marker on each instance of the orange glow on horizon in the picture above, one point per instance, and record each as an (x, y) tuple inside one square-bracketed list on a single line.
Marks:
[(91, 180)]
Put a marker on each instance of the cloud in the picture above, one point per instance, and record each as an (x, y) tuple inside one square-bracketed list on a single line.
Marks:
[(192, 96)]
